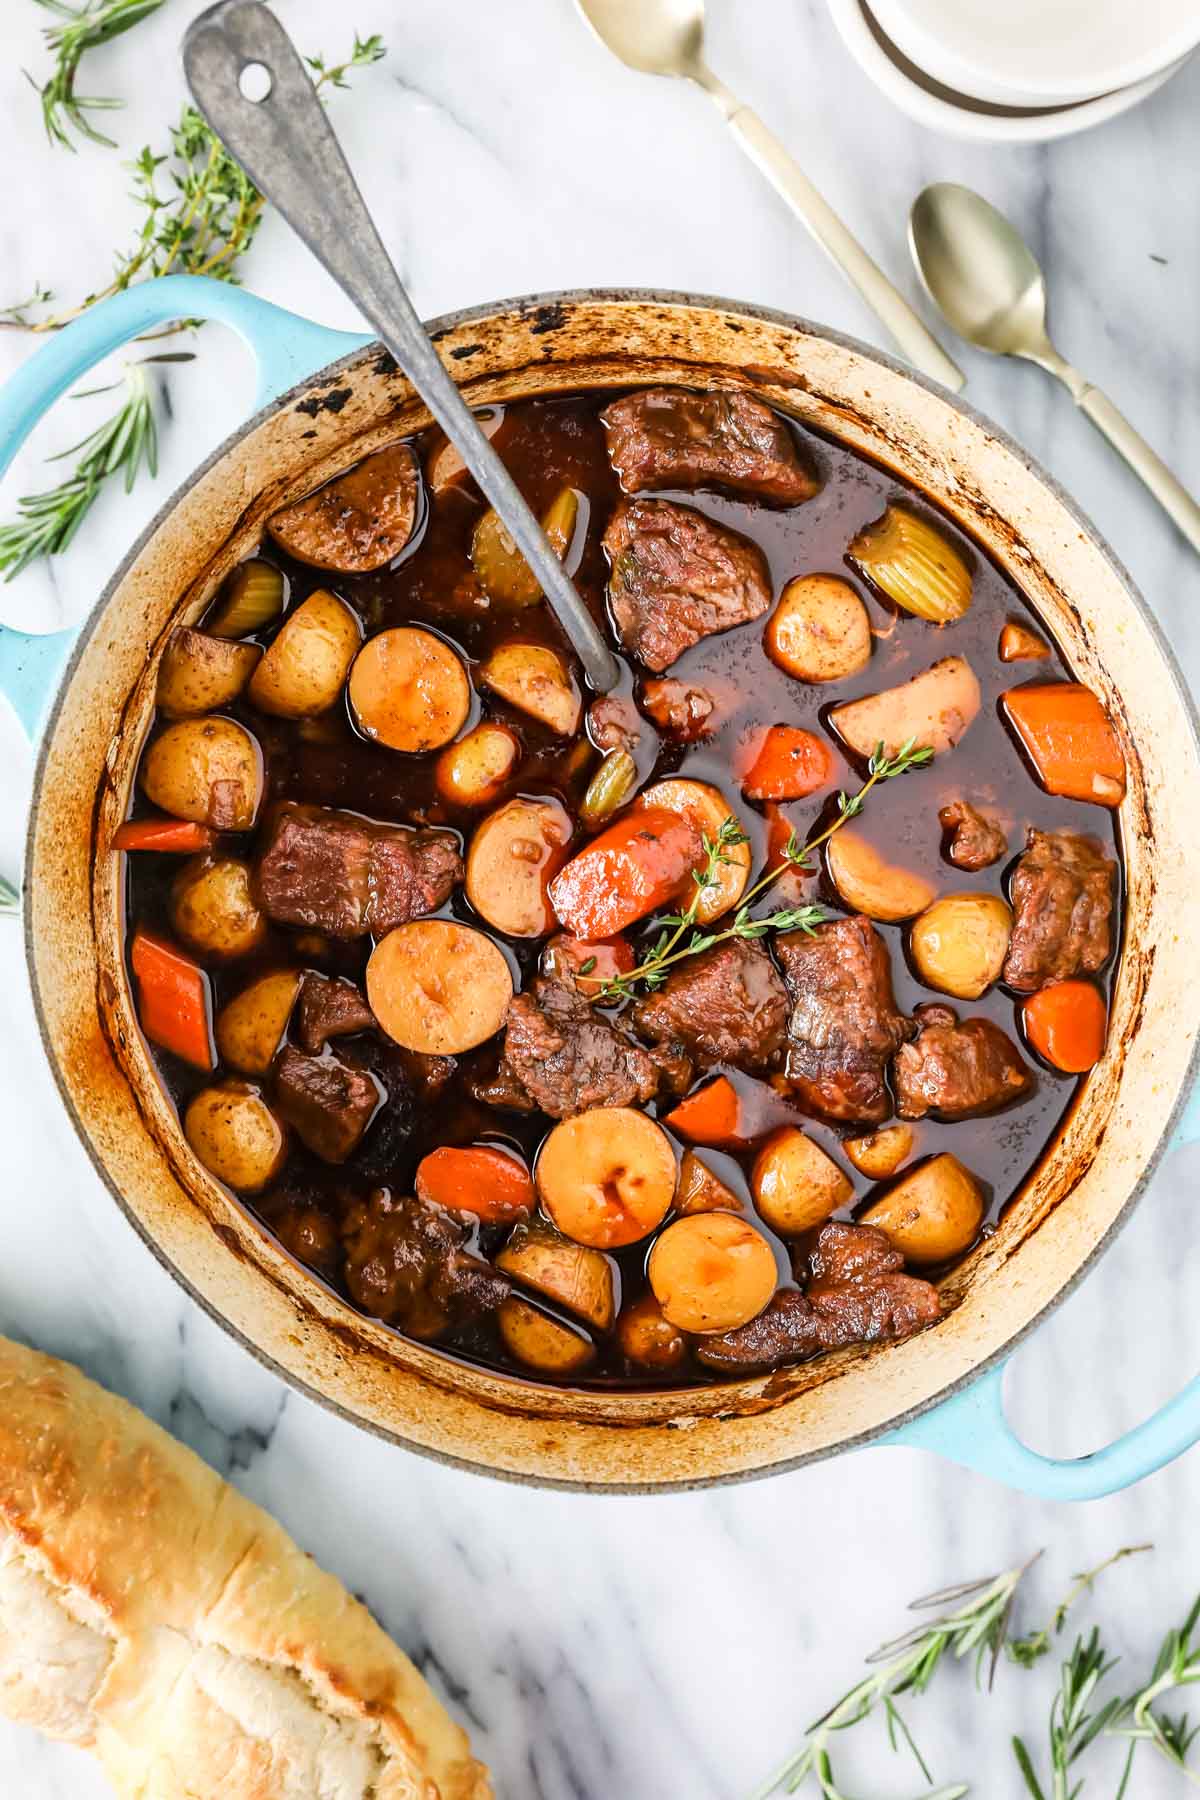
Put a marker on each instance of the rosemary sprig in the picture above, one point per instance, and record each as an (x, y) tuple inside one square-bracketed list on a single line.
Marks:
[(46, 523), (82, 28), (976, 1627), (1177, 1666), (670, 947), (1073, 1728)]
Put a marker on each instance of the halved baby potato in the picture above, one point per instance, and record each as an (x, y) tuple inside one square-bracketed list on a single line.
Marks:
[(207, 770), (504, 575), (712, 1272), (236, 1135), (701, 1191), (578, 1278), (705, 807), (213, 909), (250, 1027), (445, 465), (409, 690), (514, 854), (542, 1343), (438, 987), (472, 771), (606, 1177), (933, 1213), (869, 884), (536, 680), (796, 1186), (200, 674), (360, 520), (960, 942), (647, 1337), (881, 1152), (934, 709), (306, 664), (820, 631)]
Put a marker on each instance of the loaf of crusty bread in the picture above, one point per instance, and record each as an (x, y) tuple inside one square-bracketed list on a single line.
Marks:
[(150, 1613)]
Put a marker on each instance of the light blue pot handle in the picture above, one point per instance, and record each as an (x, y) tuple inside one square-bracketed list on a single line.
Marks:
[(970, 1428), (286, 349)]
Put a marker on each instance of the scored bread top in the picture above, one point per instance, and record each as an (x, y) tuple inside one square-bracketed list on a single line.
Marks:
[(151, 1613)]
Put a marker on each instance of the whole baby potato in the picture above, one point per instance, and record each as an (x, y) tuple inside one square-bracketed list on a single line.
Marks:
[(207, 770), (960, 942), (236, 1135), (213, 909), (305, 668)]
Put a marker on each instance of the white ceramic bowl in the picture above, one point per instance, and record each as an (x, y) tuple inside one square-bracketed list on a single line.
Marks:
[(1040, 53), (957, 115)]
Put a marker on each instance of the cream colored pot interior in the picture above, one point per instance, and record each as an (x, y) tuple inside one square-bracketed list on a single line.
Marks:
[(412, 1393)]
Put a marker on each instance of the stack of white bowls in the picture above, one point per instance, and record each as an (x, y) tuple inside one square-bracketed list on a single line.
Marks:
[(1019, 71)]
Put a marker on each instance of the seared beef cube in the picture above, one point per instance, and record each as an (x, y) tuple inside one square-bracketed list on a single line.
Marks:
[(956, 1071), (1062, 901), (330, 1006), (976, 842), (499, 1086), (726, 1005), (667, 437), (305, 1230), (567, 1058), (858, 1293), (681, 711), (854, 1294), (676, 578), (405, 1264), (844, 1024), (336, 872), (613, 723), (427, 1073), (328, 1104)]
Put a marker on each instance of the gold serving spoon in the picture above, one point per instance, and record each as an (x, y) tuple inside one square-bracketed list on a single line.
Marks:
[(666, 37), (988, 285)]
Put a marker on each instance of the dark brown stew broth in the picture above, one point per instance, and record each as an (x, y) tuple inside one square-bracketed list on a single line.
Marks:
[(548, 444)]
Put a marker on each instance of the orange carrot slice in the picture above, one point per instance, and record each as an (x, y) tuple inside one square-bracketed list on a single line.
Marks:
[(175, 835), (790, 765), (630, 870), (174, 1000), (1066, 1023), (1069, 739), (478, 1179)]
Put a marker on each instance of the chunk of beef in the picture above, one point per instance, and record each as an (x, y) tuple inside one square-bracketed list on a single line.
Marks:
[(428, 1074), (667, 437), (345, 875), (956, 1071), (613, 723), (327, 1103), (677, 577), (680, 711), (405, 1264), (305, 1230), (854, 1294), (500, 1087), (844, 1024), (385, 1153), (727, 1005), (975, 841), (330, 1006), (1062, 901), (567, 1058)]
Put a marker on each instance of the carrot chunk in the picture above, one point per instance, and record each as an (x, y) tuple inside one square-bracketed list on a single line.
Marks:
[(174, 1000), (477, 1179), (628, 871), (1066, 1024), (1069, 739), (712, 1115), (790, 764), (179, 835)]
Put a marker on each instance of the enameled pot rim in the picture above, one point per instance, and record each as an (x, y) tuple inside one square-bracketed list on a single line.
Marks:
[(445, 323)]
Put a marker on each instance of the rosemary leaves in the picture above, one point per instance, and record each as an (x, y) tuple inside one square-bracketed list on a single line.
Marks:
[(80, 29)]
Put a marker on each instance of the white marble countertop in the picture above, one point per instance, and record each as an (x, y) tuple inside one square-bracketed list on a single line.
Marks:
[(669, 1648)]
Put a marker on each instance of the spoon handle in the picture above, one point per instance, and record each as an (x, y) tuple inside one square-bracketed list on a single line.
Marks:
[(1146, 463), (838, 241), (286, 144)]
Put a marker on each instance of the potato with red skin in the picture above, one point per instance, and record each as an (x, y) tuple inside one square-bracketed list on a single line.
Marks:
[(606, 1177), (647, 1337), (712, 1272), (626, 873)]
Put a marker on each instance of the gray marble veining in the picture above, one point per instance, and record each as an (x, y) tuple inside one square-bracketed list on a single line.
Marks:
[(670, 1648)]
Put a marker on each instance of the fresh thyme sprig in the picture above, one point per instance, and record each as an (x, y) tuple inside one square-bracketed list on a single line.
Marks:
[(82, 28), (670, 947), (1027, 1650), (976, 1627)]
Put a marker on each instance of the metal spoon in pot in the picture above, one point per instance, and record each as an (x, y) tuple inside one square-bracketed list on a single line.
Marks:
[(987, 284), (284, 141), (666, 37)]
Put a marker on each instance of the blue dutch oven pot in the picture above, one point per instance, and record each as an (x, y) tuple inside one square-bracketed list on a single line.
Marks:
[(324, 397)]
